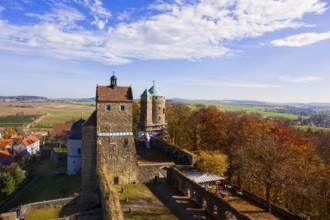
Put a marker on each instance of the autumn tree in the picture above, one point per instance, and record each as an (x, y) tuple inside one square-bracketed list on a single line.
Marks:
[(177, 117), (136, 117), (213, 162)]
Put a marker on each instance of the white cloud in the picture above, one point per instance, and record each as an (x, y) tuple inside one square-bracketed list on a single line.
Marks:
[(97, 10), (301, 79), (300, 40), (123, 16), (182, 29), (62, 16)]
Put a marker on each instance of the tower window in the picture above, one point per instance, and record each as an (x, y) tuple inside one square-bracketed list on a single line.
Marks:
[(163, 110), (78, 151), (159, 118), (122, 108), (107, 108)]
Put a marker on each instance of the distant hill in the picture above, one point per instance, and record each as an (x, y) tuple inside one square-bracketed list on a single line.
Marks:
[(22, 98), (256, 103)]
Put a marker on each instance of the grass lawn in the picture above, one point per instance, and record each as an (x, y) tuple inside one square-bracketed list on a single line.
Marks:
[(49, 186), (144, 204), (44, 214)]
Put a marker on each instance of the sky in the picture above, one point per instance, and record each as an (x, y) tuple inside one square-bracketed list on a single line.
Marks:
[(269, 50)]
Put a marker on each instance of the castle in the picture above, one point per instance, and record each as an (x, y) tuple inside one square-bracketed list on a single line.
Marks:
[(152, 111), (108, 140)]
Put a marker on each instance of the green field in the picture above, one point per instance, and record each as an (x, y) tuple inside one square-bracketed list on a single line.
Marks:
[(265, 111), (61, 115), (48, 185), (16, 120), (43, 115)]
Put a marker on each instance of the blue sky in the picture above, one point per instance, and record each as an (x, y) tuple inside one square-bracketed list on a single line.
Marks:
[(270, 50)]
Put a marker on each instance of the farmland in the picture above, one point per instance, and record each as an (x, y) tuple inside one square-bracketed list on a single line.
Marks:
[(262, 110), (44, 114)]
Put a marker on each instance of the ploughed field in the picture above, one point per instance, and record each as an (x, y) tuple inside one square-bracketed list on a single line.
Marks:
[(40, 115)]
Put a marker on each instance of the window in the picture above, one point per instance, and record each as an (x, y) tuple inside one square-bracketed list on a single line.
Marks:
[(116, 180), (78, 151), (163, 110), (107, 108), (122, 108), (126, 142)]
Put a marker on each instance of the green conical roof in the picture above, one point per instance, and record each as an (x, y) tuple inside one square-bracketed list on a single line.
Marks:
[(154, 91), (146, 93)]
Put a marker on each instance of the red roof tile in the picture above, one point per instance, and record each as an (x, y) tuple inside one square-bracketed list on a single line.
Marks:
[(114, 94), (27, 141), (60, 131)]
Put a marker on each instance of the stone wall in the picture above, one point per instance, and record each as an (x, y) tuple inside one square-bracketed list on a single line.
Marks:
[(25, 209), (179, 156), (116, 153), (114, 120), (47, 204), (145, 112), (89, 181), (58, 159), (109, 198), (158, 110), (148, 171), (213, 204)]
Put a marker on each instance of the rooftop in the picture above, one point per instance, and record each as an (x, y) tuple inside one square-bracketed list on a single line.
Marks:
[(155, 92), (114, 94)]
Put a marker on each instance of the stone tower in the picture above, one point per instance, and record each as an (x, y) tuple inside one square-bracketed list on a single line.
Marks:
[(108, 141), (153, 111), (114, 123)]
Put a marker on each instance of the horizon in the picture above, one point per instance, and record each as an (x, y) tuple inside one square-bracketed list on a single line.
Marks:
[(268, 51)]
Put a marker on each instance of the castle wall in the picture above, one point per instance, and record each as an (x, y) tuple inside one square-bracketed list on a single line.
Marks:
[(148, 172), (115, 142), (89, 180), (114, 120)]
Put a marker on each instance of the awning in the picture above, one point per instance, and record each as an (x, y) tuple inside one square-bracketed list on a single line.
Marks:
[(202, 177)]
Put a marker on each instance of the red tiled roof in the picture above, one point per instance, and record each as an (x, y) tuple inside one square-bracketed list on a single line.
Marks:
[(91, 121), (114, 94), (27, 141), (5, 142), (60, 131)]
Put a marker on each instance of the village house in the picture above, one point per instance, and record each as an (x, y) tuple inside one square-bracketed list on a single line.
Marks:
[(28, 146)]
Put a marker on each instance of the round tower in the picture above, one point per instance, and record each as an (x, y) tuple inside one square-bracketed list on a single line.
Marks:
[(158, 106), (75, 147)]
